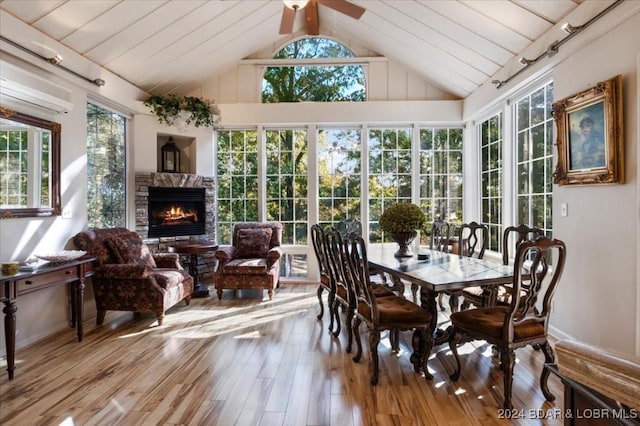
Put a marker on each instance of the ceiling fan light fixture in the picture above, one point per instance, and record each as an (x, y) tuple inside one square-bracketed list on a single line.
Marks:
[(295, 4)]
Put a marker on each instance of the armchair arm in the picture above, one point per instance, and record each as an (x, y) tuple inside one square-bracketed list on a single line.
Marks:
[(274, 256), (125, 270), (167, 260), (224, 254)]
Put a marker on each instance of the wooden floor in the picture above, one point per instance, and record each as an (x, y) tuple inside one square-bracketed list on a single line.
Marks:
[(245, 361)]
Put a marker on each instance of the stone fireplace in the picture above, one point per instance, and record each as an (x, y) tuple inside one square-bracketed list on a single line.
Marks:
[(176, 211), (177, 183)]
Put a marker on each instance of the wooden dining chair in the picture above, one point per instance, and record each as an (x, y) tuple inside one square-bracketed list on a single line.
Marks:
[(440, 238), (345, 299), (511, 237), (525, 320), (382, 313), (473, 238), (318, 241)]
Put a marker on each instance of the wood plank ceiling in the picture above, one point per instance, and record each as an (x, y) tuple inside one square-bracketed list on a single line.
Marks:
[(165, 46)]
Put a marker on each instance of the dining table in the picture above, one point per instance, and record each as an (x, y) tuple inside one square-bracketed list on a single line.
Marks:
[(435, 271)]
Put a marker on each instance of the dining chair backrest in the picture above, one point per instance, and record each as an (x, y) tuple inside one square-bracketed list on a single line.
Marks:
[(355, 252), (317, 239), (513, 236), (473, 238), (531, 299), (349, 226), (440, 235), (336, 261)]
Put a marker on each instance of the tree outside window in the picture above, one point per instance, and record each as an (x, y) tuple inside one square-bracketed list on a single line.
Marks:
[(318, 83), (106, 168)]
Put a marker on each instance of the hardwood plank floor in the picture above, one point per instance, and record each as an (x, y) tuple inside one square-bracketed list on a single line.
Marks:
[(245, 361)]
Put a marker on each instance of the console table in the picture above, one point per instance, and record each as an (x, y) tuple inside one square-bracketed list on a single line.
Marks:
[(52, 274), (193, 249)]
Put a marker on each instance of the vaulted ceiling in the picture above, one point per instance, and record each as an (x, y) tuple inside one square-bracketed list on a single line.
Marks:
[(165, 46)]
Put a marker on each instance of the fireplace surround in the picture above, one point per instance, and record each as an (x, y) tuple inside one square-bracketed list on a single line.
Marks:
[(176, 211), (144, 181)]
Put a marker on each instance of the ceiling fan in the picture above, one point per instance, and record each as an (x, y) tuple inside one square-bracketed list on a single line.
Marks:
[(311, 13)]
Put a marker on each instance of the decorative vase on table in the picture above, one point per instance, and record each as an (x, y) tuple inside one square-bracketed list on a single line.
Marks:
[(404, 240)]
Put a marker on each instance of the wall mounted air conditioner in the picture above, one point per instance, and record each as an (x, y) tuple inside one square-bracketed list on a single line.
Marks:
[(21, 87)]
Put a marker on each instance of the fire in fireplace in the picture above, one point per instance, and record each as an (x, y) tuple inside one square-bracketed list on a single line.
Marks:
[(176, 211)]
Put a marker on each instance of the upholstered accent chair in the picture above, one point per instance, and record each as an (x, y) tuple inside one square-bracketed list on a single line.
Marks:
[(524, 321), (128, 277), (253, 259)]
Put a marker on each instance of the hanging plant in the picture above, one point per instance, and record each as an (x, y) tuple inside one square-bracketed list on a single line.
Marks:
[(195, 111)]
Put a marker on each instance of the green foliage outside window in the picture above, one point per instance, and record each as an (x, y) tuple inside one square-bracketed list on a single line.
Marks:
[(106, 168), (328, 83)]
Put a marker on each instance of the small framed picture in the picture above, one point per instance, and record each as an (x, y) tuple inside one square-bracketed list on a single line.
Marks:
[(590, 136)]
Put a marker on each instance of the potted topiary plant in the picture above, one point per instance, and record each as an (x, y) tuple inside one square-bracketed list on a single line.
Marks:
[(170, 108), (402, 221)]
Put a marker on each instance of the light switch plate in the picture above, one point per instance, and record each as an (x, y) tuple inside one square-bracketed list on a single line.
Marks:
[(66, 213), (564, 210)]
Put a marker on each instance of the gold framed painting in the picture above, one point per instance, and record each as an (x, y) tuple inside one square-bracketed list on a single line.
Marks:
[(590, 136)]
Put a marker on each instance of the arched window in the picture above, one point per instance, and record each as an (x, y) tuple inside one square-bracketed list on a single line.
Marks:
[(324, 82)]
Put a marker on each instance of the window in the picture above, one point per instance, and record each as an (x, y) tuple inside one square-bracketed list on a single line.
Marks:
[(237, 163), (490, 132), (389, 173), (339, 168), (440, 174), (534, 143), (106, 167), (317, 83), (287, 161)]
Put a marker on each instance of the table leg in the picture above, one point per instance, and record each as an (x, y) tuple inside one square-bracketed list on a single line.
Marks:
[(10, 310), (79, 303), (73, 303), (199, 290), (420, 347)]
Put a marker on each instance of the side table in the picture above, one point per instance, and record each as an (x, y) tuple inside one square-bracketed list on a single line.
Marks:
[(193, 249)]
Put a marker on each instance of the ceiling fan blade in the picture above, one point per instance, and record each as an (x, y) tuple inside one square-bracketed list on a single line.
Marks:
[(286, 23), (343, 6), (311, 18)]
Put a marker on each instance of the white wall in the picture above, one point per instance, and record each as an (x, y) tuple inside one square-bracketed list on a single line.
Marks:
[(598, 298), (597, 301)]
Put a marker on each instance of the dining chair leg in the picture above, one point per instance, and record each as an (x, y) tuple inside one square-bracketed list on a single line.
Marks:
[(508, 358), (374, 340), (414, 292), (321, 314), (454, 302), (356, 335), (336, 313), (330, 301), (549, 358), (427, 337), (440, 304), (453, 345), (394, 338), (349, 326)]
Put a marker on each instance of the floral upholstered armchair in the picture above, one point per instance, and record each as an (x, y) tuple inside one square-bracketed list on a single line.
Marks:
[(129, 278), (253, 259)]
